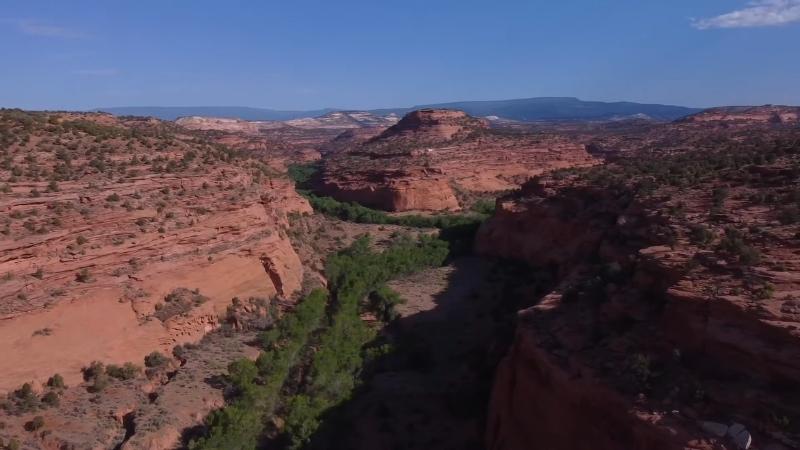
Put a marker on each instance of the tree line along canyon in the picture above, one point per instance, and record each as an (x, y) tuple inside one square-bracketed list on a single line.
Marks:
[(422, 279)]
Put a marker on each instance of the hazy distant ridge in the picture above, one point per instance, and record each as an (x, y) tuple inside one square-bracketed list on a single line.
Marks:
[(529, 109), (233, 112)]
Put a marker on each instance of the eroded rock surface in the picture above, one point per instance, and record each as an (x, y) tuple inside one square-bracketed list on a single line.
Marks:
[(675, 305), (744, 115), (103, 218), (441, 160)]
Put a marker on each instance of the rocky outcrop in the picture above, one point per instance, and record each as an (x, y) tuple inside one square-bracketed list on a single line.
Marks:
[(433, 125), (663, 319), (536, 403), (531, 227), (401, 190), (87, 261), (345, 120), (293, 141), (224, 124), (744, 115), (442, 160)]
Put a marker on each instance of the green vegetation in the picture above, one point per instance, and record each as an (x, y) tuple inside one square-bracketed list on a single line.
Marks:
[(700, 235), (155, 359), (96, 374), (127, 371), (56, 382), (484, 206), (382, 302), (34, 424), (690, 168), (240, 424), (51, 399), (179, 301), (734, 244), (302, 173), (22, 400), (334, 373), (353, 212), (12, 444), (333, 363)]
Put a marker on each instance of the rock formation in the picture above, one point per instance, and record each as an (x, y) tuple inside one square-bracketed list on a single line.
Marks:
[(133, 210), (674, 307), (345, 120), (743, 115), (292, 141), (441, 160)]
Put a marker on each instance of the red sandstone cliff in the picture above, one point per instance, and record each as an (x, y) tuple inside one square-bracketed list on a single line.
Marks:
[(442, 159), (87, 260), (666, 326)]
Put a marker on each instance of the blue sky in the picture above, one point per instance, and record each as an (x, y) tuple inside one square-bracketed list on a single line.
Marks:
[(306, 54)]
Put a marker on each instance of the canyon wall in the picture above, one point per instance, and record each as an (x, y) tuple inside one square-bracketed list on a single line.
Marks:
[(653, 337), (90, 262)]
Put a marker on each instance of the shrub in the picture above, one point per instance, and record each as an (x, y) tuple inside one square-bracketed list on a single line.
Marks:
[(302, 173), (179, 301), (241, 373), (35, 424), (155, 359), (83, 276), (113, 197), (179, 352), (127, 371), (764, 292), (56, 381), (734, 243), (99, 383), (25, 399), (382, 302), (95, 373), (484, 206), (51, 399), (700, 235)]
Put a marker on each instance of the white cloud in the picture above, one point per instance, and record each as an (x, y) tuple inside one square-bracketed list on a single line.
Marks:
[(760, 13), (97, 72), (42, 29)]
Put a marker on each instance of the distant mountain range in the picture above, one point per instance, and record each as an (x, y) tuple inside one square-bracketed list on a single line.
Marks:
[(526, 110), (229, 112)]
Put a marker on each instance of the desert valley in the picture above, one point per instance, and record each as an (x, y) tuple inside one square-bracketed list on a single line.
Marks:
[(430, 279)]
